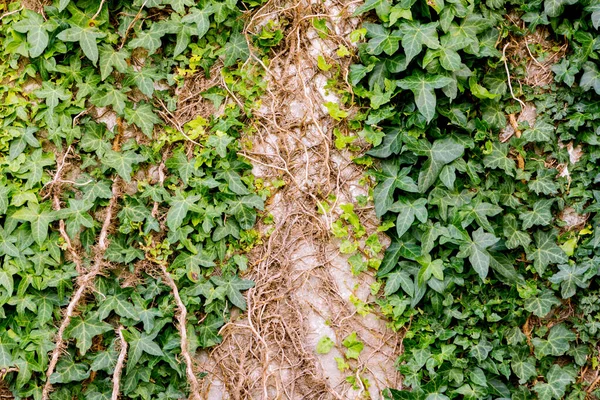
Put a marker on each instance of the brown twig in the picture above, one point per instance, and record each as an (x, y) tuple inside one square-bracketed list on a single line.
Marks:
[(182, 318), (119, 366), (83, 283)]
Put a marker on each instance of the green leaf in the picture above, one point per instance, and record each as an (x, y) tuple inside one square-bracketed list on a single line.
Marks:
[(591, 77), (219, 141), (407, 211), (200, 17), (423, 87), (545, 252), (353, 346), (542, 304), (498, 159), (524, 368), (233, 287), (325, 345), (397, 280), (382, 7), (110, 95), (554, 8), (122, 162), (556, 344), (84, 330), (86, 37), (39, 218), (235, 182), (37, 37), (514, 237), (180, 205), (570, 277), (539, 215), (481, 350), (381, 40), (477, 253), (541, 132), (416, 35), (443, 152), (139, 344), (68, 371), (208, 332), (143, 117), (119, 303), (53, 94), (557, 381), (111, 59), (236, 49)]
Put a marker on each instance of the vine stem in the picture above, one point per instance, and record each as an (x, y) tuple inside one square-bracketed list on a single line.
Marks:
[(119, 366), (83, 282), (181, 318), (508, 76)]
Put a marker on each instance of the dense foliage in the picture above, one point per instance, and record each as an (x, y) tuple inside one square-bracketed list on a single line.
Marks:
[(497, 295), (87, 127)]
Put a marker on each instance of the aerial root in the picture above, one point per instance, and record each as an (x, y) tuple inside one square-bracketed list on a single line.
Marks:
[(120, 363), (181, 314), (83, 283)]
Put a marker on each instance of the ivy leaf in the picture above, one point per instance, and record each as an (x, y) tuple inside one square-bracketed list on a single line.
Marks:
[(542, 304), (53, 94), (325, 345), (147, 39), (556, 344), (423, 87), (233, 287), (200, 17), (557, 381), (514, 237), (475, 249), (443, 152), (37, 37), (139, 344), (524, 368), (39, 218), (180, 205), (76, 215), (545, 252), (68, 371), (591, 77), (570, 277), (234, 181), (179, 5), (184, 167), (84, 330), (353, 346), (143, 117), (86, 37), (415, 35), (236, 49), (382, 7), (397, 280), (407, 211), (111, 59), (219, 141), (208, 331), (539, 215), (554, 8), (544, 183), (6, 360), (541, 132), (498, 159), (381, 40), (122, 162), (109, 95), (481, 350), (118, 303)]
